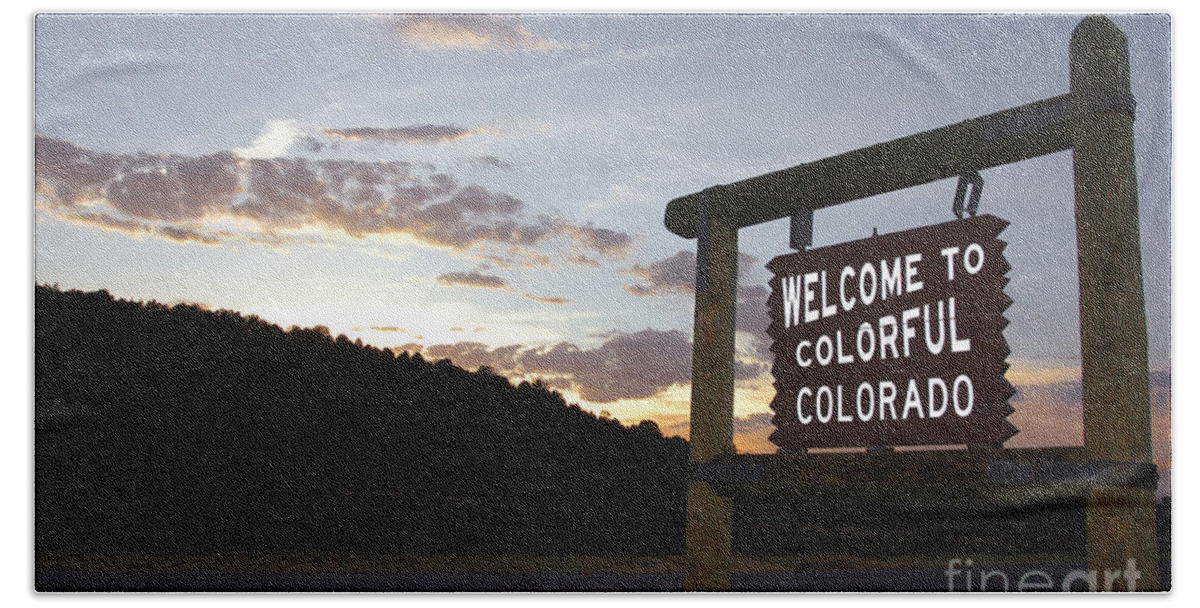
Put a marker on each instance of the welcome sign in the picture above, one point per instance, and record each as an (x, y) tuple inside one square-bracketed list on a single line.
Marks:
[(893, 340)]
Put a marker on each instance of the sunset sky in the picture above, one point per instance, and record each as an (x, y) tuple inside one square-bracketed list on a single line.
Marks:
[(491, 188)]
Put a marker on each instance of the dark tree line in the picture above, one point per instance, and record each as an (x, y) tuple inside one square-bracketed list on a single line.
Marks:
[(179, 430), (176, 430)]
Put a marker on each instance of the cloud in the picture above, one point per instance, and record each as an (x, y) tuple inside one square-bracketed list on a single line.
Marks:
[(583, 260), (313, 145), (488, 160), (420, 134), (477, 279), (106, 222), (469, 32), (753, 423), (1070, 392), (472, 355), (472, 279), (675, 274), (603, 240), (276, 138), (557, 300), (409, 347), (514, 258), (221, 197), (186, 235), (752, 318), (751, 434), (167, 188), (634, 365)]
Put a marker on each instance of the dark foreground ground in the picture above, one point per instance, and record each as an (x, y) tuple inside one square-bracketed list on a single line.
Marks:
[(923, 579)]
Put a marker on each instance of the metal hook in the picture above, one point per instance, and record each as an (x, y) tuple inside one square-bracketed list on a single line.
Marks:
[(974, 180), (800, 234)]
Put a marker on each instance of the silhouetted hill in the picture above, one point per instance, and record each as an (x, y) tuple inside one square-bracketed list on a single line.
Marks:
[(171, 430), (167, 429)]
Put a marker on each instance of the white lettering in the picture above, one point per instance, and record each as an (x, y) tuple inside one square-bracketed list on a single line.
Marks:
[(865, 354), (888, 338), (941, 386), (936, 347), (842, 357), (800, 360), (887, 396), (961, 410), (842, 417), (949, 254), (1079, 575), (910, 273), (908, 332), (978, 251), (1110, 577), (810, 314), (867, 415), (846, 304), (1044, 585), (956, 345), (828, 356), (827, 309), (912, 400), (1132, 574), (799, 403), (890, 279), (867, 270), (827, 414), (791, 301)]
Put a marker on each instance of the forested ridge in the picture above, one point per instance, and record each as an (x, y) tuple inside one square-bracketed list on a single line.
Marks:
[(174, 429)]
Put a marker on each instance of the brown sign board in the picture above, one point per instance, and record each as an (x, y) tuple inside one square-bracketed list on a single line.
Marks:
[(893, 340)]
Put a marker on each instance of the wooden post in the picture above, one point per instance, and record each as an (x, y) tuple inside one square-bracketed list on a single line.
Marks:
[(1116, 396), (709, 516)]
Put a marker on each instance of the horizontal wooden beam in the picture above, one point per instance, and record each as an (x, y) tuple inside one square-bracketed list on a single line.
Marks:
[(1027, 131)]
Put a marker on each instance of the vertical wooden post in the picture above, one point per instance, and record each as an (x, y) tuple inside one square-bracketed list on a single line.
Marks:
[(1116, 396), (709, 516)]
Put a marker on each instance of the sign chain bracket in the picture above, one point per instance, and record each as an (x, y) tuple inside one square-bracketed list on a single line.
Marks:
[(973, 180)]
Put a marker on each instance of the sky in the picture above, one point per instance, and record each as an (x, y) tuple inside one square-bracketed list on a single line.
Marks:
[(491, 188)]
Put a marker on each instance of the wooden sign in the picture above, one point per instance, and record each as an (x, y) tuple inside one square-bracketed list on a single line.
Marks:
[(893, 340)]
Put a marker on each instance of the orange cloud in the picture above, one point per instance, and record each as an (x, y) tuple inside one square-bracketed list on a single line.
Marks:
[(420, 134), (220, 197), (487, 281), (471, 279), (469, 32), (556, 300), (387, 328), (634, 365)]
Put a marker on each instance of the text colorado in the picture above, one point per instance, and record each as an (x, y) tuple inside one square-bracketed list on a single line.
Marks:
[(892, 340)]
